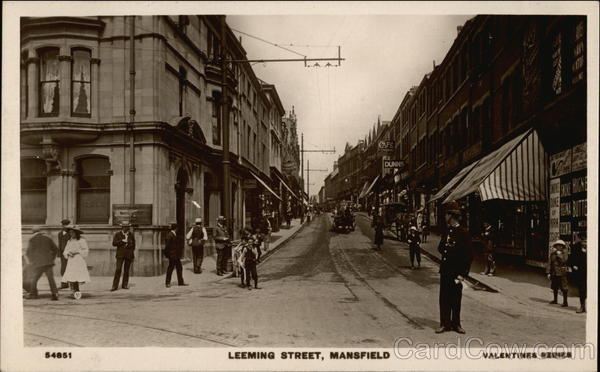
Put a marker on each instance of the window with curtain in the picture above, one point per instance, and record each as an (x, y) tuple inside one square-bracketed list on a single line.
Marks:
[(49, 82), (33, 191), (93, 190), (81, 83)]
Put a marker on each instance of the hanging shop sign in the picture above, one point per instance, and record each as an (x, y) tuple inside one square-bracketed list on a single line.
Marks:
[(560, 163), (136, 214), (250, 184), (385, 146), (391, 164)]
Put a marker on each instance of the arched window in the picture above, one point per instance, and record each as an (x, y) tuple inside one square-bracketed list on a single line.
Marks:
[(49, 82), (33, 191), (93, 190), (81, 83)]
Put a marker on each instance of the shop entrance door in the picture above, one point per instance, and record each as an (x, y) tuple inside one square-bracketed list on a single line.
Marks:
[(536, 248), (180, 190)]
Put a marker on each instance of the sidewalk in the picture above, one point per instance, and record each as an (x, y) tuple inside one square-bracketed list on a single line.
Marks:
[(518, 281), (100, 285)]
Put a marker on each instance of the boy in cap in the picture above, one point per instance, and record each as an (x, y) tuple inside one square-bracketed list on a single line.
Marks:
[(557, 271), (413, 246), (196, 238), (63, 238)]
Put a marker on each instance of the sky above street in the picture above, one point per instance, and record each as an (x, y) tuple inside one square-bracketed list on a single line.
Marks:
[(385, 55)]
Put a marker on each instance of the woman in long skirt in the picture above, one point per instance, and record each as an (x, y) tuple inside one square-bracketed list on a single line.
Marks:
[(75, 252)]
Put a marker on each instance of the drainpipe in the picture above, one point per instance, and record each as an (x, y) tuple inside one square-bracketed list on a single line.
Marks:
[(132, 111)]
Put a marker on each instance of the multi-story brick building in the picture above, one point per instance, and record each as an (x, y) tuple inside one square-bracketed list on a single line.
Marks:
[(509, 95), (77, 128)]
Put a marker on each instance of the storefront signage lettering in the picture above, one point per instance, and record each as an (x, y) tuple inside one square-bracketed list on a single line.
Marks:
[(136, 214), (579, 160), (554, 220), (393, 164), (386, 146), (560, 163)]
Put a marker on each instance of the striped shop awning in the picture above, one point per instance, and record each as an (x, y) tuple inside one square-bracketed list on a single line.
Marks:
[(516, 171), (454, 181), (363, 190)]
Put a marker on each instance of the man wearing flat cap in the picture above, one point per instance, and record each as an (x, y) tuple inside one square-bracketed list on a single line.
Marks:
[(196, 238), (456, 251), (125, 243), (223, 244), (63, 238)]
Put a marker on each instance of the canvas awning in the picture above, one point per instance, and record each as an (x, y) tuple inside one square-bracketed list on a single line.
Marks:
[(453, 182), (287, 187), (265, 185), (371, 186), (516, 171), (364, 188)]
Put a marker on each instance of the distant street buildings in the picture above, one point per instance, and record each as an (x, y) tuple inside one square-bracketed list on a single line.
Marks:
[(499, 125), (78, 119)]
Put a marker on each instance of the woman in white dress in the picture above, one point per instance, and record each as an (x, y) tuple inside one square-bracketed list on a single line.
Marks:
[(75, 252)]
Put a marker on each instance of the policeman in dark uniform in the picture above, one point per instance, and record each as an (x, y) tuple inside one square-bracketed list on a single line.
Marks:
[(456, 251)]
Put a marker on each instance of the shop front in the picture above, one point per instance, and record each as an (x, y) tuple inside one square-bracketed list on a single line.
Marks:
[(508, 189)]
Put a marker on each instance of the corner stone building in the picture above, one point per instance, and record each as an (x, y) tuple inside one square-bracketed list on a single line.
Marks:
[(75, 129)]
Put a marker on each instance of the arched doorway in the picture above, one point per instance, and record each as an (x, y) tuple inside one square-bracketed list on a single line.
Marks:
[(180, 190)]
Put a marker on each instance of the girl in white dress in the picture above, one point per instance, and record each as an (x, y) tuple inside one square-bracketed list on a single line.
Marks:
[(75, 252)]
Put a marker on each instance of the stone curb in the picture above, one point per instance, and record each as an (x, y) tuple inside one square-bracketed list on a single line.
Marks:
[(477, 284)]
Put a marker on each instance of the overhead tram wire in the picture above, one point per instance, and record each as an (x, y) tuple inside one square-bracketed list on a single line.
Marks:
[(268, 42)]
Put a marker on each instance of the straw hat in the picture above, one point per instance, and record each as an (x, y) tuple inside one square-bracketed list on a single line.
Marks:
[(75, 228)]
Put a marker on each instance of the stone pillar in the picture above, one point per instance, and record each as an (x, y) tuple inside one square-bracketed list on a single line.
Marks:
[(65, 85), (32, 65)]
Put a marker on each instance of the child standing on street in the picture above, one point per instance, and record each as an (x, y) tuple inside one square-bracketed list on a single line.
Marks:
[(413, 246), (75, 252)]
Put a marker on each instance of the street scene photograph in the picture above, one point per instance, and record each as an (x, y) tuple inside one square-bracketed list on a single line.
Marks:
[(355, 181)]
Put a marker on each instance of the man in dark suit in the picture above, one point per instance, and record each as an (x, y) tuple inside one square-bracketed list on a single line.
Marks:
[(455, 248), (174, 252), (63, 238), (125, 243), (41, 254), (223, 244)]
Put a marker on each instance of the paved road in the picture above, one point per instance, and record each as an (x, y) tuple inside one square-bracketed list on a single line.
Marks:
[(322, 289)]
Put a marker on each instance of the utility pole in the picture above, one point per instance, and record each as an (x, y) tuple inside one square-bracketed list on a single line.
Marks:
[(308, 170), (227, 207), (302, 151), (302, 162)]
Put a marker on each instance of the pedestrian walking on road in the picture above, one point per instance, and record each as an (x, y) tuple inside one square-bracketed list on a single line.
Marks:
[(557, 271), (40, 255), (174, 251), (578, 263), (489, 248), (378, 226), (63, 238), (124, 240), (196, 238), (425, 229), (265, 232), (223, 242), (288, 218), (456, 251), (414, 247), (75, 252)]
